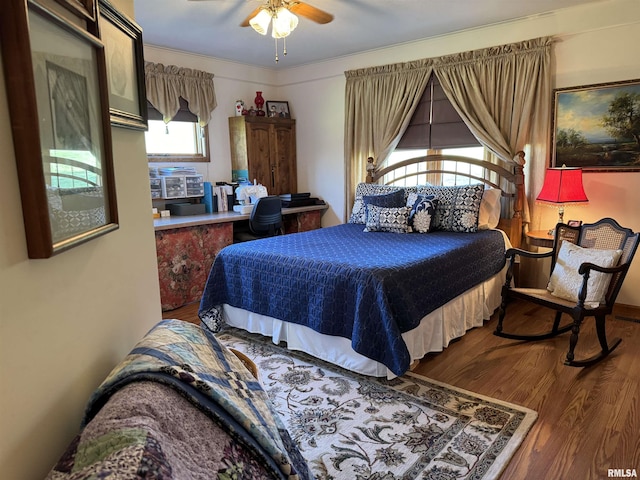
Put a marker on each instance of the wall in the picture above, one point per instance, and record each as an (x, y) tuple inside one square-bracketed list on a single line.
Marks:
[(66, 321)]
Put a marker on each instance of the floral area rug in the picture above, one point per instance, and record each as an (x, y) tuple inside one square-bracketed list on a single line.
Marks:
[(353, 427)]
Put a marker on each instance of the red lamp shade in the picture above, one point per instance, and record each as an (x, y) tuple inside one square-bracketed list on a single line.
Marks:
[(563, 185)]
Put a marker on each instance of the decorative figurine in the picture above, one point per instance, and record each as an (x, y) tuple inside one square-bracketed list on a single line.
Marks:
[(371, 166), (239, 107)]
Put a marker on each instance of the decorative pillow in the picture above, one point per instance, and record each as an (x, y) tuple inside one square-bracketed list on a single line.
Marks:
[(423, 208), (565, 281), (458, 207), (394, 199), (359, 212), (383, 219), (490, 209)]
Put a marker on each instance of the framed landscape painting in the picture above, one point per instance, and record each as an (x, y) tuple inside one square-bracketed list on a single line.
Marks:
[(597, 127)]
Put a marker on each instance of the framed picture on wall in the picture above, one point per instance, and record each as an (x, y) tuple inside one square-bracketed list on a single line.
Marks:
[(60, 121), (84, 8), (124, 57), (596, 127)]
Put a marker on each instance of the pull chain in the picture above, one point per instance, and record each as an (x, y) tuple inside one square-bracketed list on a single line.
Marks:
[(284, 50)]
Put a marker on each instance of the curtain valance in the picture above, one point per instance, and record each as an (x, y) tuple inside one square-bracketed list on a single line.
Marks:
[(165, 85)]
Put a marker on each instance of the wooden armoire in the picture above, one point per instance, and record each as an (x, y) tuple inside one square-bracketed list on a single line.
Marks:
[(264, 149)]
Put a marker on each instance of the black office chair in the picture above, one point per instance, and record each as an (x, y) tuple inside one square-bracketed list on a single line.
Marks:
[(265, 220)]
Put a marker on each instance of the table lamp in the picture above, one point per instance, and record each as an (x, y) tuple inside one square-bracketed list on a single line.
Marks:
[(562, 186)]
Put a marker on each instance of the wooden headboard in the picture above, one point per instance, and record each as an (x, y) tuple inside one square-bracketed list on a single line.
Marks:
[(430, 169)]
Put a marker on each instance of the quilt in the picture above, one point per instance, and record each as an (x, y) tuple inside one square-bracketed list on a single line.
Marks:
[(369, 287), (193, 363)]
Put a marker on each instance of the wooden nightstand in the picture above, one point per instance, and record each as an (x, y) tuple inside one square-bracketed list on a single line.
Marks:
[(540, 238)]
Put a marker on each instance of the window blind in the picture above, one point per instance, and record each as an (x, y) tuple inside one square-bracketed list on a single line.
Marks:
[(435, 124), (183, 115)]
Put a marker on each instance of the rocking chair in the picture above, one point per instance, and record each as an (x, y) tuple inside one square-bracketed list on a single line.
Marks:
[(589, 295)]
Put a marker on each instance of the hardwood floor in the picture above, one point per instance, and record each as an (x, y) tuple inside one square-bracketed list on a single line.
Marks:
[(588, 418)]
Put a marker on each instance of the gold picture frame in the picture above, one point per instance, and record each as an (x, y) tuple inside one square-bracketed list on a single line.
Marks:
[(592, 127)]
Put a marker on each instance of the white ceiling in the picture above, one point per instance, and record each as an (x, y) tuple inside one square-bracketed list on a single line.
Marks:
[(211, 27)]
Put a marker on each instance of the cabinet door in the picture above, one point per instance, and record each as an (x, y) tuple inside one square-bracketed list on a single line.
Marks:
[(258, 154), (284, 159)]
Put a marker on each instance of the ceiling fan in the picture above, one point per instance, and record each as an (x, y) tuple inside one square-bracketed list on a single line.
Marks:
[(281, 15), (299, 8)]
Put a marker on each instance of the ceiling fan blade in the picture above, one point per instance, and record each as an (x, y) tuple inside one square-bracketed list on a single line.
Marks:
[(310, 12), (245, 23)]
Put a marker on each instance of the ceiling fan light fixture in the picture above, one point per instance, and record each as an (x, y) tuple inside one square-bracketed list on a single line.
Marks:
[(284, 22), (260, 23)]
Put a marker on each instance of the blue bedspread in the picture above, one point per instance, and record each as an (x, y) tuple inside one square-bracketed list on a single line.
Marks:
[(369, 287)]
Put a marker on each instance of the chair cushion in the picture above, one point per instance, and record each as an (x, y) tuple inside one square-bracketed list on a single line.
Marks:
[(565, 281)]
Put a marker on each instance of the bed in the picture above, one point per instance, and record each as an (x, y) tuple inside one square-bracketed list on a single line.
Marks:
[(372, 295)]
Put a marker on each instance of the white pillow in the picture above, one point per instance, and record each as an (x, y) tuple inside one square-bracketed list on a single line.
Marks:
[(565, 281), (490, 209)]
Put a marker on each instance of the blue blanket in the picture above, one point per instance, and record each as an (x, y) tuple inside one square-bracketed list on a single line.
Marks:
[(369, 287)]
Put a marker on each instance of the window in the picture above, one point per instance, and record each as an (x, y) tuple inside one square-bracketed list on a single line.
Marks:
[(180, 140), (410, 176), (435, 128)]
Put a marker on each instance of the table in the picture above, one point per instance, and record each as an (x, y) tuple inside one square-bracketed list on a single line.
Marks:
[(540, 238)]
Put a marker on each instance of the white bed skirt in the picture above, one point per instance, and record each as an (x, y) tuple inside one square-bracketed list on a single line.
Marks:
[(434, 333)]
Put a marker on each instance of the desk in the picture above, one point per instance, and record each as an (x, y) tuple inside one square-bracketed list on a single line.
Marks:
[(540, 238), (186, 247), (176, 221)]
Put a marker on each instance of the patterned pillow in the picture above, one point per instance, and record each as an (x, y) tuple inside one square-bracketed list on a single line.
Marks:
[(384, 219), (565, 281), (458, 207), (393, 199), (359, 212), (423, 208)]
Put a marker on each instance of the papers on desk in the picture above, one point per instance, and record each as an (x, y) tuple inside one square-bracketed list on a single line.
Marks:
[(223, 193)]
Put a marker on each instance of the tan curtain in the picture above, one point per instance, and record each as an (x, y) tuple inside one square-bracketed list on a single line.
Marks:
[(165, 85), (502, 95), (379, 102)]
